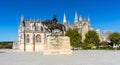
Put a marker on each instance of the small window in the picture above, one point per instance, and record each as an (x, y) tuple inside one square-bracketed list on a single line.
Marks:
[(38, 38)]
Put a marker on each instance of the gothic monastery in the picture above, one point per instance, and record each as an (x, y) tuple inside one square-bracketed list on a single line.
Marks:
[(32, 35)]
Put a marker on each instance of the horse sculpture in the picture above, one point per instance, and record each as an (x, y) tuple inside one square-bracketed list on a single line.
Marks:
[(54, 25)]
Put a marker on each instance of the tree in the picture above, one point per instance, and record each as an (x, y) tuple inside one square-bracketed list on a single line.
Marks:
[(104, 43), (91, 37), (75, 37), (115, 38), (91, 45)]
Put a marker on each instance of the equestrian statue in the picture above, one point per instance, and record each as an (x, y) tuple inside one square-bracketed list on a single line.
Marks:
[(53, 25)]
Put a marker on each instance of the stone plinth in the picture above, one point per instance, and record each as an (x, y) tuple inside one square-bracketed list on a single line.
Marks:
[(57, 45)]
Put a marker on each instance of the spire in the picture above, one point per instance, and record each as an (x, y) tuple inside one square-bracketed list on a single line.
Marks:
[(88, 18), (89, 21), (22, 21), (76, 17), (80, 19), (64, 19), (22, 18)]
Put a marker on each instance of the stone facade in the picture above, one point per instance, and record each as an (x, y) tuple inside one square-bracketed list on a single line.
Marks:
[(105, 35), (80, 23), (33, 35)]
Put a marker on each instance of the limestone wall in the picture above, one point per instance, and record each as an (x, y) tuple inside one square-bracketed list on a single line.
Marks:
[(57, 45)]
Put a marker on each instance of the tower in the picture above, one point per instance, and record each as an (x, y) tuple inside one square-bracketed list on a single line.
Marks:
[(21, 33), (80, 19), (22, 18), (76, 18), (22, 22), (64, 19), (88, 18)]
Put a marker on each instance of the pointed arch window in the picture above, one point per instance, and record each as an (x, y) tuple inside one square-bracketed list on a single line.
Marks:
[(38, 39), (27, 39)]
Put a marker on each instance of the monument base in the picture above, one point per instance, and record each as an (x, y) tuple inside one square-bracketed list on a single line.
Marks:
[(57, 45)]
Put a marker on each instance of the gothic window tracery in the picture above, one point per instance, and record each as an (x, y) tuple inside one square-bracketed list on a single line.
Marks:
[(38, 38)]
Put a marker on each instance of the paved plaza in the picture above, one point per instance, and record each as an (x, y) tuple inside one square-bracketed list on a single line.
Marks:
[(81, 57)]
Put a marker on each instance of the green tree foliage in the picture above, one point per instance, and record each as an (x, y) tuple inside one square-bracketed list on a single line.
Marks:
[(104, 43), (91, 45), (91, 37), (75, 37), (115, 37), (6, 45)]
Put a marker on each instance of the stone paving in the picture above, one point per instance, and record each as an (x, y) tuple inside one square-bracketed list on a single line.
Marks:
[(81, 57)]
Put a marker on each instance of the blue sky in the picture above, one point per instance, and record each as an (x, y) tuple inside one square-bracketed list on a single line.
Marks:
[(104, 14)]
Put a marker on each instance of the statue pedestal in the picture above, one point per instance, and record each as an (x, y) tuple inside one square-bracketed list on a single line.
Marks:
[(57, 45)]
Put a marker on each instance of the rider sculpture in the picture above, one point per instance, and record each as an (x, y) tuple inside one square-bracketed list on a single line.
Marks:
[(53, 25)]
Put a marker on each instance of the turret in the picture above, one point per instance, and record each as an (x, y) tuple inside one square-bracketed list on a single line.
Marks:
[(64, 19), (88, 18), (80, 19), (22, 22), (89, 22), (22, 18), (76, 18)]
